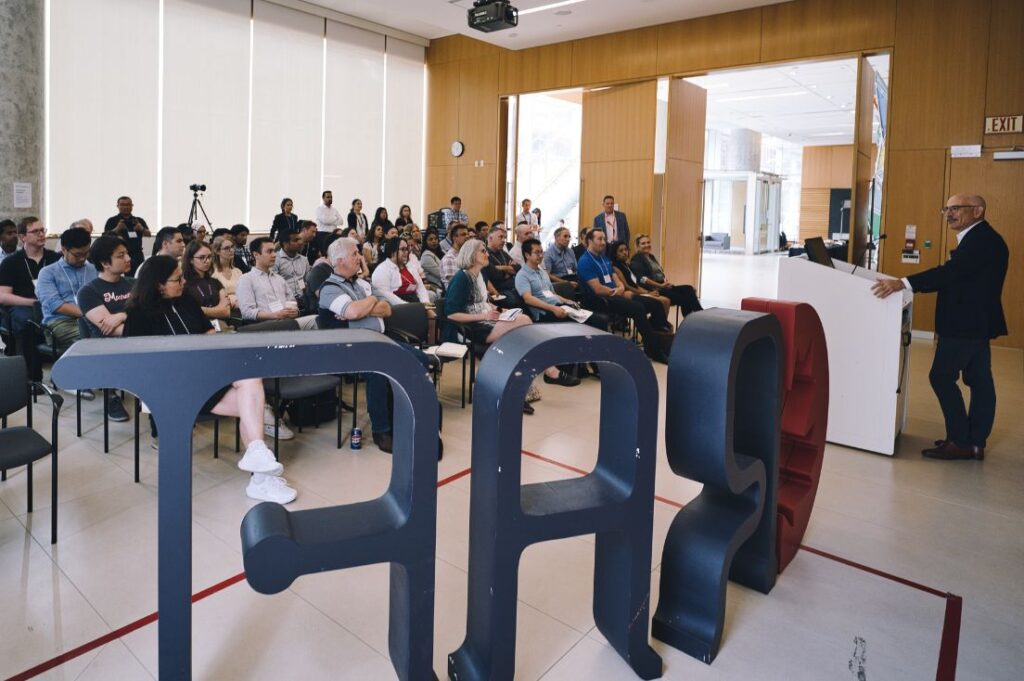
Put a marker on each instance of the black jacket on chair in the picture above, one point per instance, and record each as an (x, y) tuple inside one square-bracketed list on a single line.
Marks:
[(970, 286)]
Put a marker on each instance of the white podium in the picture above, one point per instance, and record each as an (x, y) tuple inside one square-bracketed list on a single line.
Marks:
[(868, 349)]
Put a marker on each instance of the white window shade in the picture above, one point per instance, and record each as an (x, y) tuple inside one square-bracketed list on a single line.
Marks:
[(206, 107), (403, 131), (287, 92), (102, 109), (354, 129)]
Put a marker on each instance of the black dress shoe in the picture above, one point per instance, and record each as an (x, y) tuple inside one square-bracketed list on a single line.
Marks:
[(950, 451), (528, 408), (564, 379), (659, 357), (383, 442)]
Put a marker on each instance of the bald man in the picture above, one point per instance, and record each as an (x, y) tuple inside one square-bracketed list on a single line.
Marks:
[(968, 314)]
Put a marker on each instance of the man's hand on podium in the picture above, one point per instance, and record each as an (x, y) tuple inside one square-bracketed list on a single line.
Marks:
[(883, 288)]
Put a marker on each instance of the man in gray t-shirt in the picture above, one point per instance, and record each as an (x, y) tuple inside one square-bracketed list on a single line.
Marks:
[(534, 286)]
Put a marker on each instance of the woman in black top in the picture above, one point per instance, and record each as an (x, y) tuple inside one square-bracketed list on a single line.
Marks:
[(357, 219), (656, 307), (404, 216), (381, 218), (158, 308), (285, 220), (197, 268), (650, 274)]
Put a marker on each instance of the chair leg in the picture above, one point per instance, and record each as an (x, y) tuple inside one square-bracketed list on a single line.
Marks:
[(355, 400), (340, 402), (238, 435), (463, 381), (138, 416), (53, 495), (106, 421), (3, 475), (78, 413), (216, 438), (28, 481), (277, 430), (472, 374)]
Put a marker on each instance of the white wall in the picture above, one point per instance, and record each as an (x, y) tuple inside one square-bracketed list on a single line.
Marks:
[(257, 103)]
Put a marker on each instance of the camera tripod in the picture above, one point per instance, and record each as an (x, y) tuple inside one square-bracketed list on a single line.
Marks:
[(197, 208)]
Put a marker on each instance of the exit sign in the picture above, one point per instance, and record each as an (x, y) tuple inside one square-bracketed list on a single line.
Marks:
[(998, 125)]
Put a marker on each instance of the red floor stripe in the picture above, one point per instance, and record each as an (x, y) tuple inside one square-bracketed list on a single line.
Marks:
[(153, 617), (950, 646)]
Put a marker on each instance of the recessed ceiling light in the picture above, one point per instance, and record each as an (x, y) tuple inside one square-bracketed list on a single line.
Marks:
[(552, 5), (750, 97)]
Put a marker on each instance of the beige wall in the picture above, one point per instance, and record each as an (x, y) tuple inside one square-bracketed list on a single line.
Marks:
[(953, 63)]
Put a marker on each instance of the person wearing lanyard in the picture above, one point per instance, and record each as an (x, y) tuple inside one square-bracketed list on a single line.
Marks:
[(158, 308), (263, 294), (130, 228), (59, 284), (197, 267)]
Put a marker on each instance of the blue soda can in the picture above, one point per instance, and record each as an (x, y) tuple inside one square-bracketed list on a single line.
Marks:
[(356, 441)]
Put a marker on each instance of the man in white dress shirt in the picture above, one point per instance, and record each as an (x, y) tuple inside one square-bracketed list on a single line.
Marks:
[(328, 220), (526, 216)]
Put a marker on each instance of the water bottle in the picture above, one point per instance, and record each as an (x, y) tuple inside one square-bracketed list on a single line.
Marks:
[(356, 440)]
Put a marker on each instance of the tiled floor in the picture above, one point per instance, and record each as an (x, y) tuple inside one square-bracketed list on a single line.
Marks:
[(950, 525)]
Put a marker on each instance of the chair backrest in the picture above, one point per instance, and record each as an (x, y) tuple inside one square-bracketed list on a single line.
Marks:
[(270, 325), (14, 379), (565, 290), (410, 318)]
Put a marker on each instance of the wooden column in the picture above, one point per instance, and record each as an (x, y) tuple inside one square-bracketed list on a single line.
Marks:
[(681, 242)]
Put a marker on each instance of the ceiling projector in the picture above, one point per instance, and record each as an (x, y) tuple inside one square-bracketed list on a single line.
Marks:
[(492, 15)]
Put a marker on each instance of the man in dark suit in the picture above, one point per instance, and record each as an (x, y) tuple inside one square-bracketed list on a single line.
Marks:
[(612, 222), (969, 312)]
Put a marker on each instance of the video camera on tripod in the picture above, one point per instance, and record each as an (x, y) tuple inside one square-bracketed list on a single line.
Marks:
[(197, 206)]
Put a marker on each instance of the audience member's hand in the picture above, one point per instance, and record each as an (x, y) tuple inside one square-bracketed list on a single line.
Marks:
[(492, 315), (560, 313), (108, 324), (431, 314), (288, 313)]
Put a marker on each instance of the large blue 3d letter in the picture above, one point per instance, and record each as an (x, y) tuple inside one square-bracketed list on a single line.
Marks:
[(721, 429), (615, 501), (277, 545)]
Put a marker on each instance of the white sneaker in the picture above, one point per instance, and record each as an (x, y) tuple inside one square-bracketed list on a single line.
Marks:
[(270, 488), (259, 459), (283, 431)]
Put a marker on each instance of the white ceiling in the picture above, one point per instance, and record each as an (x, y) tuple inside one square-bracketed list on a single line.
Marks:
[(437, 18), (807, 103)]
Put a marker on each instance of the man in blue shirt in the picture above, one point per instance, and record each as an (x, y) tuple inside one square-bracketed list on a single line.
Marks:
[(449, 217), (535, 288), (59, 284), (603, 291), (559, 259)]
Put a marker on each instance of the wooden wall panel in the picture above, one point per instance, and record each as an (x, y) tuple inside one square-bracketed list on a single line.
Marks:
[(478, 189), (458, 48), (681, 233), (915, 192), (536, 69), (478, 111), (439, 187), (630, 182), (619, 123), (938, 81), (628, 55), (1000, 183), (841, 168), (807, 28), (687, 111), (816, 170), (1005, 91), (442, 113), (862, 170), (814, 205), (713, 42)]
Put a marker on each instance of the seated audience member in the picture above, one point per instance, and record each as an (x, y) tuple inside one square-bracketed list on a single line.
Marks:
[(243, 256), (168, 241), (446, 242), (310, 248), (393, 280), (404, 216), (479, 230), (128, 227), (347, 301), (292, 265), (619, 252), (103, 300), (220, 231), (535, 288), (18, 274), (466, 304), (263, 294), (414, 238), (559, 259), (200, 230), (650, 274), (187, 233), (449, 218), (82, 223), (381, 218), (59, 284), (524, 231), (430, 259), (197, 268), (158, 308), (374, 245), (459, 236), (581, 245), (501, 271), (224, 269), (603, 291), (285, 220), (8, 238)]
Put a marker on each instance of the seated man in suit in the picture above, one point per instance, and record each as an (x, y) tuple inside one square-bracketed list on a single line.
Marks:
[(613, 222), (968, 314)]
